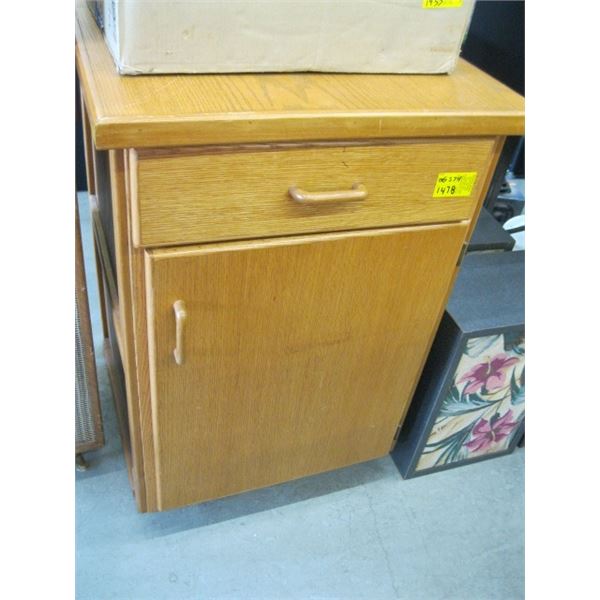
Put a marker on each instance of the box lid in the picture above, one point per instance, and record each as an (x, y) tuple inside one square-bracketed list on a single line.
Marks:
[(179, 110)]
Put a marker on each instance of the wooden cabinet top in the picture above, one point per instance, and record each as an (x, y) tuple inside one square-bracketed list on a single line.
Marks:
[(186, 110)]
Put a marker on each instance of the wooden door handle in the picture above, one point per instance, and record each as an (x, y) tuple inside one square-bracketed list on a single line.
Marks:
[(358, 192), (180, 318)]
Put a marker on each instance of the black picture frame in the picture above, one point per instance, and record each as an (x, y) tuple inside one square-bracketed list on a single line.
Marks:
[(470, 314)]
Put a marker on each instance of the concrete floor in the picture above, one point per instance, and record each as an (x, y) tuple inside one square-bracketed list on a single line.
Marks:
[(360, 532)]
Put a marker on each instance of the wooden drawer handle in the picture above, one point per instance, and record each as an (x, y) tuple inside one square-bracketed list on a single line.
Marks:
[(180, 318), (358, 192)]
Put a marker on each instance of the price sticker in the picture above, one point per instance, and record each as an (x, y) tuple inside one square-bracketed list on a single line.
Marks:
[(442, 3), (454, 185)]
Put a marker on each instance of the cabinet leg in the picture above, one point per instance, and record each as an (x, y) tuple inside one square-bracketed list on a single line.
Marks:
[(80, 462)]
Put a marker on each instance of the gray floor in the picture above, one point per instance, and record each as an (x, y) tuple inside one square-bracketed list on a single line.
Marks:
[(361, 532)]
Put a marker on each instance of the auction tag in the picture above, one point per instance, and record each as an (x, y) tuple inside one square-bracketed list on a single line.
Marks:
[(454, 185), (442, 3)]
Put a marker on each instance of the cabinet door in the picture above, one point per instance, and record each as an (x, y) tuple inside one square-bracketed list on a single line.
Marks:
[(298, 355)]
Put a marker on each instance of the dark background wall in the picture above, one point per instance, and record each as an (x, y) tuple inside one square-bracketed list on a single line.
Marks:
[(495, 43)]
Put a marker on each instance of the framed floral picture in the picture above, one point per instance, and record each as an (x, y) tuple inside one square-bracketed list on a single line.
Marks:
[(482, 412), (470, 402)]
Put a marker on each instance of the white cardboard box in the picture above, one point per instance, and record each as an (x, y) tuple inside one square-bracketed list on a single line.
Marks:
[(228, 36)]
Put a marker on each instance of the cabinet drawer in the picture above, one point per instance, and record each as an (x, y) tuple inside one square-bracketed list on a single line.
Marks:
[(210, 194)]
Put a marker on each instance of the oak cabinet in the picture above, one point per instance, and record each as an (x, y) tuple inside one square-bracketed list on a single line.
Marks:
[(297, 355), (276, 252)]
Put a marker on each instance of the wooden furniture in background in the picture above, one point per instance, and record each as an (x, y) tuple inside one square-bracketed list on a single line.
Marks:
[(265, 321), (89, 434)]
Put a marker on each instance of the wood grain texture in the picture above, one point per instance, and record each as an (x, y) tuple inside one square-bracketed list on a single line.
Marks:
[(114, 365), (139, 333), (175, 110), (300, 353), (211, 195), (125, 322)]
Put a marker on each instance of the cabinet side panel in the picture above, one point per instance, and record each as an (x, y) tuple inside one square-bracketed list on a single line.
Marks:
[(125, 325), (137, 330)]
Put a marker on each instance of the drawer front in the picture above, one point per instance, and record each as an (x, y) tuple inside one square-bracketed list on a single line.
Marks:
[(200, 195)]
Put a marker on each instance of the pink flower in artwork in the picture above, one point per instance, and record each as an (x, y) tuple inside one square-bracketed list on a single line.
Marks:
[(485, 433), (489, 375)]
